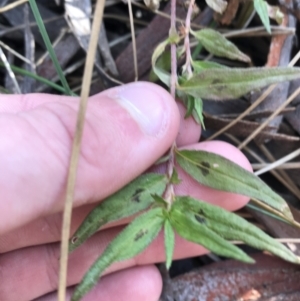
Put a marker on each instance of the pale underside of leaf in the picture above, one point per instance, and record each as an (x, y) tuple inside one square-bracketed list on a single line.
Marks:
[(231, 226), (129, 243), (162, 74), (133, 198), (231, 83), (261, 8), (218, 45), (169, 237), (220, 173)]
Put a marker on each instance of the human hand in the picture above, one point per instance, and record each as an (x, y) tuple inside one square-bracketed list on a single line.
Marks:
[(126, 130)]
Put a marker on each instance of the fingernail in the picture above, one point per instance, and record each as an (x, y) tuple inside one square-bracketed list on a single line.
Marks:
[(145, 105)]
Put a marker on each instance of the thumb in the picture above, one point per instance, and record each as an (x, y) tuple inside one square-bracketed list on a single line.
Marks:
[(126, 129)]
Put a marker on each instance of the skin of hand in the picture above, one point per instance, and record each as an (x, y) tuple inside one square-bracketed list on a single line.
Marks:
[(126, 130)]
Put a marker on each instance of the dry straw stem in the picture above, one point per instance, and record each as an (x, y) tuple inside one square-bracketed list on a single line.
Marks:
[(15, 53), (282, 240), (12, 5), (273, 172), (9, 71), (265, 123), (253, 106), (283, 174), (88, 70), (135, 64), (278, 162), (291, 165)]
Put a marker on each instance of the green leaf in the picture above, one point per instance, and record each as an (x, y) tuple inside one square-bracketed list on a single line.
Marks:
[(198, 112), (200, 66), (217, 172), (38, 78), (162, 74), (195, 230), (163, 63), (159, 200), (230, 226), (130, 200), (169, 242), (261, 8), (194, 107), (231, 83), (130, 242), (218, 45), (175, 178)]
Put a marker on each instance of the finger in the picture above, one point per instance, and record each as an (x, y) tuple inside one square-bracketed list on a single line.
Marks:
[(126, 129), (134, 284), (48, 228), (32, 272)]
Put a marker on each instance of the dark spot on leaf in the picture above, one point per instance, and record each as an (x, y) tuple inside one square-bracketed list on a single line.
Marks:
[(216, 81), (204, 168), (201, 212), (74, 240), (136, 195), (140, 234), (200, 219), (220, 88)]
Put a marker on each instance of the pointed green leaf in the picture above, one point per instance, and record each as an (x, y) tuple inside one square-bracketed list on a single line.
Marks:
[(221, 84), (231, 226), (162, 74), (162, 63), (159, 200), (199, 66), (175, 178), (189, 102), (194, 107), (218, 45), (169, 242), (130, 242), (261, 8), (196, 231), (157, 65), (130, 200), (198, 112), (217, 172)]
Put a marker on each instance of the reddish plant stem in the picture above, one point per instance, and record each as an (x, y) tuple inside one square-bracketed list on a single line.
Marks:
[(169, 193), (173, 50), (173, 71), (188, 61)]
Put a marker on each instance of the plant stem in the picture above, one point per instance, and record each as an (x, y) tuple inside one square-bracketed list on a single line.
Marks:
[(188, 61), (173, 32), (169, 193)]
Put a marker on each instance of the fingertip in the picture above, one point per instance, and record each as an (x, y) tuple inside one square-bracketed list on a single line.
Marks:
[(151, 106)]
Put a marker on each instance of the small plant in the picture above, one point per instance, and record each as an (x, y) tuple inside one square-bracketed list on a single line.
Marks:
[(153, 194)]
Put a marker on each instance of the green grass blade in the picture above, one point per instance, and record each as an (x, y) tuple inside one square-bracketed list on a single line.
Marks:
[(39, 78), (49, 47)]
